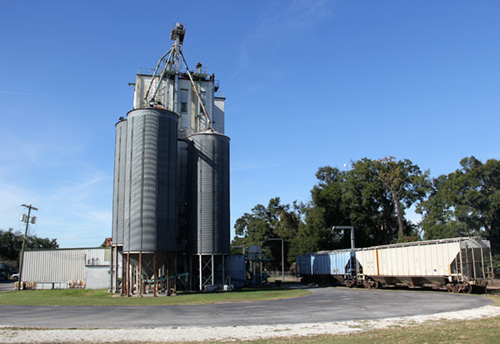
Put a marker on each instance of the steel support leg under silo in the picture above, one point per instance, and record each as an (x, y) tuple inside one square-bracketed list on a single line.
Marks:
[(115, 269), (118, 265), (168, 275), (111, 270), (155, 288), (210, 270), (129, 275), (124, 280), (139, 279)]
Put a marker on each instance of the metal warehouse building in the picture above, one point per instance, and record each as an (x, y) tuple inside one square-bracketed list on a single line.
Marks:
[(67, 268)]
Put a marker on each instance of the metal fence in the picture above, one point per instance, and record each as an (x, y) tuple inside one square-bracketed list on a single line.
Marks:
[(277, 275)]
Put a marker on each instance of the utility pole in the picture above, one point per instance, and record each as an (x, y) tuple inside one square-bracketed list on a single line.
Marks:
[(30, 208)]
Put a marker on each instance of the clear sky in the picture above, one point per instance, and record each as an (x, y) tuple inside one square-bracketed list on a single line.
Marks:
[(308, 84)]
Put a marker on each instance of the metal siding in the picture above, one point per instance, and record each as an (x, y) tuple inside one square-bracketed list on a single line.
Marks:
[(122, 183), (98, 256), (114, 224), (209, 180), (321, 265), (218, 115), (54, 266), (305, 263), (128, 191), (339, 262), (150, 162), (182, 189), (167, 215), (136, 168), (238, 271), (327, 262), (430, 258), (368, 260), (119, 183), (151, 215)]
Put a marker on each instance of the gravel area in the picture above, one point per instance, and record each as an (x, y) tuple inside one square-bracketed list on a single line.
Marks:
[(234, 333)]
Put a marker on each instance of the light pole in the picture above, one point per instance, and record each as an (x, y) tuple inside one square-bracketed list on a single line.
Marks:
[(282, 258)]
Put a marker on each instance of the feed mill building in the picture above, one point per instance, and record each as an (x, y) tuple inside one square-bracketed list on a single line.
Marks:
[(171, 220), (171, 184)]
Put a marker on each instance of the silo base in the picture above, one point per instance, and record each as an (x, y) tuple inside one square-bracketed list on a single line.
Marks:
[(209, 271), (155, 271), (116, 268)]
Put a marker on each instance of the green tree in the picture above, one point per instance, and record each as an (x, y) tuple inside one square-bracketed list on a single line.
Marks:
[(406, 184), (370, 208), (327, 209), (465, 202), (11, 242), (314, 234), (372, 196), (277, 220)]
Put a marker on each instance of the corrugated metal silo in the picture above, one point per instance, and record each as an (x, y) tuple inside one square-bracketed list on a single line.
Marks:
[(119, 182), (150, 207), (209, 196)]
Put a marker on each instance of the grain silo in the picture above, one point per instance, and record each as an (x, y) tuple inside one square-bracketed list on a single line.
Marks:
[(173, 134), (150, 195), (150, 213), (118, 200), (209, 226)]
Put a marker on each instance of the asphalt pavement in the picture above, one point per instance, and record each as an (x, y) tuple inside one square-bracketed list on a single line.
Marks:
[(323, 305), (7, 285)]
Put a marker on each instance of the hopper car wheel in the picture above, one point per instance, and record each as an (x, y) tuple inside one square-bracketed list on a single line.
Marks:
[(350, 283), (370, 284), (465, 288), (459, 288)]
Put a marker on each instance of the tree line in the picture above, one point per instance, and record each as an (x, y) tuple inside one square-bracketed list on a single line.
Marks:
[(11, 242), (375, 197)]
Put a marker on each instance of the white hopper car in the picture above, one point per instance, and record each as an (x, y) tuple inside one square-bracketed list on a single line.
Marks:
[(458, 264)]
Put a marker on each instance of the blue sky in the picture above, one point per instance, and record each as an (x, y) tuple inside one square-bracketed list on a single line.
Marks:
[(308, 84)]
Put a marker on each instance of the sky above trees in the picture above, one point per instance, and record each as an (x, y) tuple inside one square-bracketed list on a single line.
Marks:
[(308, 84)]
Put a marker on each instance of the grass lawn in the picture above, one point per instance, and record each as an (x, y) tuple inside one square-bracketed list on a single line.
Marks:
[(82, 297), (484, 331)]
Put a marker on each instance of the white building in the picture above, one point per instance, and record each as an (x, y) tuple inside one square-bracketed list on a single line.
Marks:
[(67, 268)]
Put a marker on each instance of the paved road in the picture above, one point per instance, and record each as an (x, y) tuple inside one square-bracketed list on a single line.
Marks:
[(324, 305), (7, 286)]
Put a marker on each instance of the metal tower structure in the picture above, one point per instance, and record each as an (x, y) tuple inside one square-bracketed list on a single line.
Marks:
[(162, 199)]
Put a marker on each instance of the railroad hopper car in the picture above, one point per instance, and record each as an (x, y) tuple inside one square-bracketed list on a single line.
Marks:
[(337, 267), (458, 264)]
